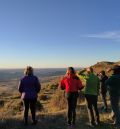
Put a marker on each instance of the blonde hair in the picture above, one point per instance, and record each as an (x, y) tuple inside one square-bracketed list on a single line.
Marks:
[(28, 70)]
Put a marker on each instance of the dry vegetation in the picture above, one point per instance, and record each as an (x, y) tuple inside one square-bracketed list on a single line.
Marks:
[(51, 108), (51, 112)]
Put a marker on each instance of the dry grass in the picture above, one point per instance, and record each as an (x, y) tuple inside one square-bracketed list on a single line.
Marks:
[(43, 97), (56, 120), (51, 113), (58, 101)]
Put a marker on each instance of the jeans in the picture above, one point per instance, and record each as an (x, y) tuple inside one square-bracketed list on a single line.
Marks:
[(115, 107), (72, 103), (91, 101), (30, 103)]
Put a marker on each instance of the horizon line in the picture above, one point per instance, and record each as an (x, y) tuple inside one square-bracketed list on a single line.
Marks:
[(40, 68)]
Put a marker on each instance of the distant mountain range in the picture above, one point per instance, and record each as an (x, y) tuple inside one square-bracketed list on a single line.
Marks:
[(9, 74)]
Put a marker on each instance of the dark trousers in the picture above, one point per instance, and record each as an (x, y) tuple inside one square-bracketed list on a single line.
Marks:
[(72, 103), (30, 103), (115, 107), (91, 101), (104, 100)]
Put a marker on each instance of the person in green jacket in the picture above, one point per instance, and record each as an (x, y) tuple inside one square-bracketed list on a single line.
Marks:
[(91, 95), (113, 85)]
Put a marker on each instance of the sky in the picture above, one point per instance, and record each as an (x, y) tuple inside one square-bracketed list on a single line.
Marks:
[(58, 33)]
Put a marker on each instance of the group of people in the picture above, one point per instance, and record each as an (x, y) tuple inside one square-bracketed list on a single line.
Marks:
[(30, 86)]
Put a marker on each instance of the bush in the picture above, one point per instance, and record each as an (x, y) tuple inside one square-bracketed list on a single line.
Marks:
[(14, 105), (58, 101), (43, 97), (53, 86), (81, 97), (39, 106)]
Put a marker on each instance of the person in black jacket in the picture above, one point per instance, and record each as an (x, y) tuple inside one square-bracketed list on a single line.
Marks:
[(103, 77), (113, 85)]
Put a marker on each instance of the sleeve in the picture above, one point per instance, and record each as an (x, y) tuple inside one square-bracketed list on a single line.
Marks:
[(81, 72), (62, 84), (80, 86), (20, 86), (37, 85), (83, 75)]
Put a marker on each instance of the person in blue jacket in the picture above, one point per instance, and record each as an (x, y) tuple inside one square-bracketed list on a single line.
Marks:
[(29, 87)]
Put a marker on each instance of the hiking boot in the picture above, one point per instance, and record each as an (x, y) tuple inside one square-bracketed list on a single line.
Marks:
[(35, 122), (116, 125), (92, 124), (25, 123), (98, 123), (73, 125)]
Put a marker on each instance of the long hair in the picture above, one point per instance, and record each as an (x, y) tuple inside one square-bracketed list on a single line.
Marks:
[(28, 71)]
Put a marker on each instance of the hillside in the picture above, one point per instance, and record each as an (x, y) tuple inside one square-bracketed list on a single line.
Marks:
[(104, 65), (51, 105)]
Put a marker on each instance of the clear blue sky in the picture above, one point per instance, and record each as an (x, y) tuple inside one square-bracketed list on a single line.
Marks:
[(58, 33)]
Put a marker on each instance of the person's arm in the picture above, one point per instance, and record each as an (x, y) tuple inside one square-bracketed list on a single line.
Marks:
[(82, 75), (20, 86), (81, 72), (37, 85), (62, 84), (80, 85)]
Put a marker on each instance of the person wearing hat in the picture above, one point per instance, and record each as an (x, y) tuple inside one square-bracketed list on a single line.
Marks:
[(113, 85), (71, 83), (91, 95), (29, 87)]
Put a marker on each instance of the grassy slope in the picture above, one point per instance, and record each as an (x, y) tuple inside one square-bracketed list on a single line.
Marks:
[(54, 120)]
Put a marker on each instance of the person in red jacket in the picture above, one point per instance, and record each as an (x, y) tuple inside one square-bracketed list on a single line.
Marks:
[(71, 83)]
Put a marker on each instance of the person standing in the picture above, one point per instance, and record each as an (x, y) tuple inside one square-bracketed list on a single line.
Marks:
[(71, 83), (29, 87), (103, 77), (91, 95), (113, 85)]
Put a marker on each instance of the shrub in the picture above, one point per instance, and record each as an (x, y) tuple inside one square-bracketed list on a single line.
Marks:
[(43, 97), (81, 97), (39, 106), (58, 101), (53, 86), (14, 105)]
